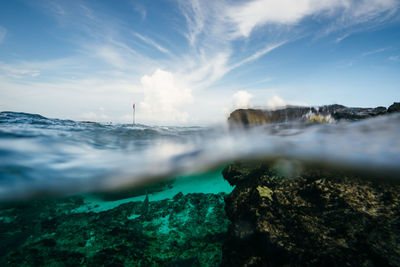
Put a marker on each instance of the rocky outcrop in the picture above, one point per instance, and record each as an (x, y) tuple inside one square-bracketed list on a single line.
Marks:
[(394, 108), (247, 117), (314, 219)]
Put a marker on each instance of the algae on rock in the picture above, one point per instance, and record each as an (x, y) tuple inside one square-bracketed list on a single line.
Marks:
[(265, 192), (316, 219)]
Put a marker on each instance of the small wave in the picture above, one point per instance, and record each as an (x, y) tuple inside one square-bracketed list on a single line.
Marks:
[(63, 156)]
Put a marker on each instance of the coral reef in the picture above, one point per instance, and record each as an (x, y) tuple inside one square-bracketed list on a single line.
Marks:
[(314, 219), (187, 230)]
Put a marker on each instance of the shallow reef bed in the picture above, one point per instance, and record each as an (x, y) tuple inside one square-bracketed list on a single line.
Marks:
[(316, 218), (187, 230)]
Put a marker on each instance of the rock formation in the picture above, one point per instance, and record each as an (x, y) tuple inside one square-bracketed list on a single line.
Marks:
[(315, 219), (394, 108), (247, 117)]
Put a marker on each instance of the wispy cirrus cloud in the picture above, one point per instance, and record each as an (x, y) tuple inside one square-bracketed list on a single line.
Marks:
[(208, 29), (258, 54), (342, 37), (251, 15), (211, 70), (141, 10), (195, 13), (394, 58), (18, 72), (214, 28), (372, 52), (153, 43)]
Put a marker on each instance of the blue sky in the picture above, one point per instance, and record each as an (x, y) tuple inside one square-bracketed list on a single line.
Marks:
[(194, 61)]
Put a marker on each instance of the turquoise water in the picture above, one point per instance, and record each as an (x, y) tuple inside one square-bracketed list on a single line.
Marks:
[(181, 222), (210, 182)]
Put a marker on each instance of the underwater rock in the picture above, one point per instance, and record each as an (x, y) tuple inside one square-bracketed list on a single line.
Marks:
[(187, 230), (310, 220), (328, 113)]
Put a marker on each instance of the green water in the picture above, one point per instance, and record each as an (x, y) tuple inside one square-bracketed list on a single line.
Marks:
[(181, 222)]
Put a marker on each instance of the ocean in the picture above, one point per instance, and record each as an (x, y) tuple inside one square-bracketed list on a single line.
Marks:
[(101, 194)]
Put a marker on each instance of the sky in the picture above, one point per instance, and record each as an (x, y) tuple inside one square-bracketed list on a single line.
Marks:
[(192, 62)]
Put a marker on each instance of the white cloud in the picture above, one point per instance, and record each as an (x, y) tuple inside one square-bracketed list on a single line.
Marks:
[(258, 54), (394, 58), (3, 33), (276, 102), (164, 95), (208, 70), (214, 68), (213, 26), (342, 37), (111, 56), (141, 10), (250, 15), (18, 71), (153, 43), (195, 16), (376, 51), (242, 99)]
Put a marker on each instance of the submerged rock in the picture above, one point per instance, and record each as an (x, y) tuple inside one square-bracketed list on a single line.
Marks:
[(328, 113), (314, 219), (187, 230)]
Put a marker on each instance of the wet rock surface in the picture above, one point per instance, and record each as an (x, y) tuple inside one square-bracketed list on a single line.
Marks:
[(394, 108), (187, 230), (248, 117), (312, 219)]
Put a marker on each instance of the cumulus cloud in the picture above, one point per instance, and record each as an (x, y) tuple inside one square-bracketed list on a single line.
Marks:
[(276, 102), (249, 15), (3, 32), (242, 99), (164, 95)]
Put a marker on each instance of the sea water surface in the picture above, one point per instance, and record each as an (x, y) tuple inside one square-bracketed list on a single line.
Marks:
[(94, 194), (43, 156)]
